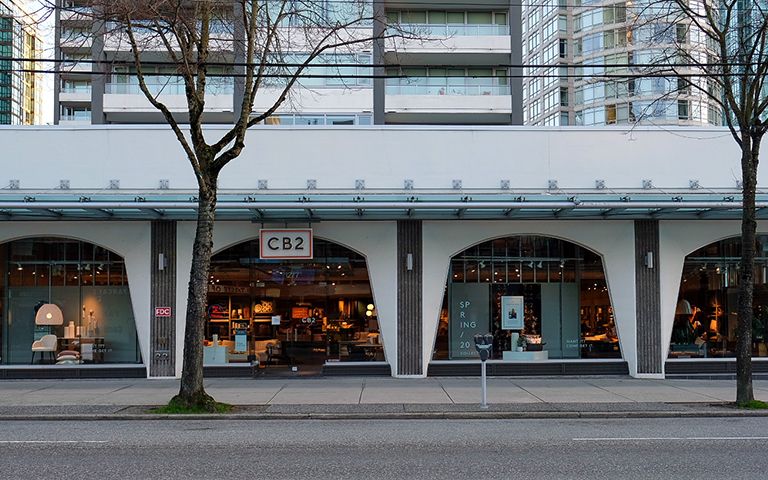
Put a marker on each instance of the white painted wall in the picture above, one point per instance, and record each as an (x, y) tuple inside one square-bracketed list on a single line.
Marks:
[(614, 241), (377, 241), (140, 155), (131, 240), (448, 103)]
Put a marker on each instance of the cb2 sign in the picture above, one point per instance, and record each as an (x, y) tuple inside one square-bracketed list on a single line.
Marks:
[(285, 243)]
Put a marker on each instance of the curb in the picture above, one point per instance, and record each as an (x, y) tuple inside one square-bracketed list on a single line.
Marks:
[(391, 416)]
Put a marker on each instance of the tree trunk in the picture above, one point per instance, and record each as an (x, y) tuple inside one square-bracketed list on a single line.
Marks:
[(192, 391), (744, 392)]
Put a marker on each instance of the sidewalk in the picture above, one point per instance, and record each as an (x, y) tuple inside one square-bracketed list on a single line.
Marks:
[(371, 397)]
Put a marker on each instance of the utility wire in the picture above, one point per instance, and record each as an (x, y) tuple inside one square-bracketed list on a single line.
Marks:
[(379, 65)]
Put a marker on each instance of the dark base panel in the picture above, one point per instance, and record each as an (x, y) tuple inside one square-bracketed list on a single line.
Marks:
[(328, 370), (725, 369), (340, 369), (524, 369), (52, 372)]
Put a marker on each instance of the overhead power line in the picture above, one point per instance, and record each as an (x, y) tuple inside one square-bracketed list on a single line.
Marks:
[(156, 63)]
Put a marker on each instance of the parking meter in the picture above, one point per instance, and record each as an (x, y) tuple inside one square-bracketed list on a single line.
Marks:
[(483, 345)]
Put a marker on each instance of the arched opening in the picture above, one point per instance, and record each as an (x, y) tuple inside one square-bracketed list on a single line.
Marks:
[(706, 313), (84, 289), (540, 297), (291, 312)]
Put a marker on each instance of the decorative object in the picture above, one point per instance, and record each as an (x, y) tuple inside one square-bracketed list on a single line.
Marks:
[(69, 331)]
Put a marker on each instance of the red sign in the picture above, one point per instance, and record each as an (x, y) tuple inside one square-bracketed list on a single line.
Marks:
[(162, 311), (297, 313)]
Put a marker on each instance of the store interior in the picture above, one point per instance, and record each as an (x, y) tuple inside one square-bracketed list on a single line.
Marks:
[(706, 313), (290, 313), (566, 308), (64, 302)]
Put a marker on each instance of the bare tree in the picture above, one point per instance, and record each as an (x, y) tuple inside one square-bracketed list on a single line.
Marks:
[(716, 50), (267, 47)]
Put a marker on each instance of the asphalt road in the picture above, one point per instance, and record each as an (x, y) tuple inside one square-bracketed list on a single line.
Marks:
[(716, 448)]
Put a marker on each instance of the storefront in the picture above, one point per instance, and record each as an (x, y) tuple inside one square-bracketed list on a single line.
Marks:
[(296, 313), (65, 302), (585, 252), (707, 307), (534, 294)]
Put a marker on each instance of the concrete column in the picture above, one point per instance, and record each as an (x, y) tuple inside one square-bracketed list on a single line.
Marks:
[(409, 293), (100, 73), (648, 294), (163, 283), (379, 84), (239, 58), (516, 58)]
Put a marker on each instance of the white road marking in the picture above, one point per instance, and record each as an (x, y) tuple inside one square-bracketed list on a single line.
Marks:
[(640, 439), (53, 441)]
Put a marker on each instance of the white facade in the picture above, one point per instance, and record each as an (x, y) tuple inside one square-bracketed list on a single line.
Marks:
[(652, 170)]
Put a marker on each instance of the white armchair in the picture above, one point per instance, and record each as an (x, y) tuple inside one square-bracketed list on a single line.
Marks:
[(46, 344)]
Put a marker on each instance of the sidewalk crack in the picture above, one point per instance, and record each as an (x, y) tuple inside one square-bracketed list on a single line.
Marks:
[(360, 398), (612, 393), (446, 392), (529, 392), (269, 402)]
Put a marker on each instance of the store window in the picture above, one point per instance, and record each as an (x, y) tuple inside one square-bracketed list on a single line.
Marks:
[(291, 312), (533, 293), (706, 313), (83, 291)]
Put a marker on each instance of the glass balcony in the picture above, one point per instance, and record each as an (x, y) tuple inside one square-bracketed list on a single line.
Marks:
[(76, 116), (213, 87), (455, 30), (447, 86)]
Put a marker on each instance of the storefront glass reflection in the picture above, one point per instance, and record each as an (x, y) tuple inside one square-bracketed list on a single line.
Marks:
[(291, 312), (706, 313), (82, 290), (534, 294)]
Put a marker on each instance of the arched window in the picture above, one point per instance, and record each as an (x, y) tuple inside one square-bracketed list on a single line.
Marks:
[(547, 291), (706, 313), (88, 284), (291, 312)]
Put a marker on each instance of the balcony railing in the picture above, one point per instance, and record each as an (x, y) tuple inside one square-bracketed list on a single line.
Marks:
[(446, 86), (454, 30), (78, 116), (81, 89), (213, 88)]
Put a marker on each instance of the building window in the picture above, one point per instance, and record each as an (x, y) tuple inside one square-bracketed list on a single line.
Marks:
[(291, 312), (560, 287), (707, 307), (87, 283)]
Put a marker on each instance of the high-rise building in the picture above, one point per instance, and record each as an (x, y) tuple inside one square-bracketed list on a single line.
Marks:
[(585, 59), (19, 81), (456, 72)]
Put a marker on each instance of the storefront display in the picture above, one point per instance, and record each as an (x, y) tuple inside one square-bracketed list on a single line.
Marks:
[(291, 312), (706, 313), (533, 294), (65, 302)]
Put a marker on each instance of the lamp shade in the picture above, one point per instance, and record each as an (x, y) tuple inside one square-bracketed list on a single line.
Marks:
[(49, 314), (683, 307)]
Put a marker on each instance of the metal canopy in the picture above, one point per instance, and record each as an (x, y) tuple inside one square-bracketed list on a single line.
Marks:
[(315, 206)]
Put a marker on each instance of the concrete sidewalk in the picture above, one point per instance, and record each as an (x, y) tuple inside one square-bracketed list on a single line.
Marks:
[(373, 397)]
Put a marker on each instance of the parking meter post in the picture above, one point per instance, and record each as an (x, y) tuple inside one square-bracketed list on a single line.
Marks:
[(483, 345), (484, 404)]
